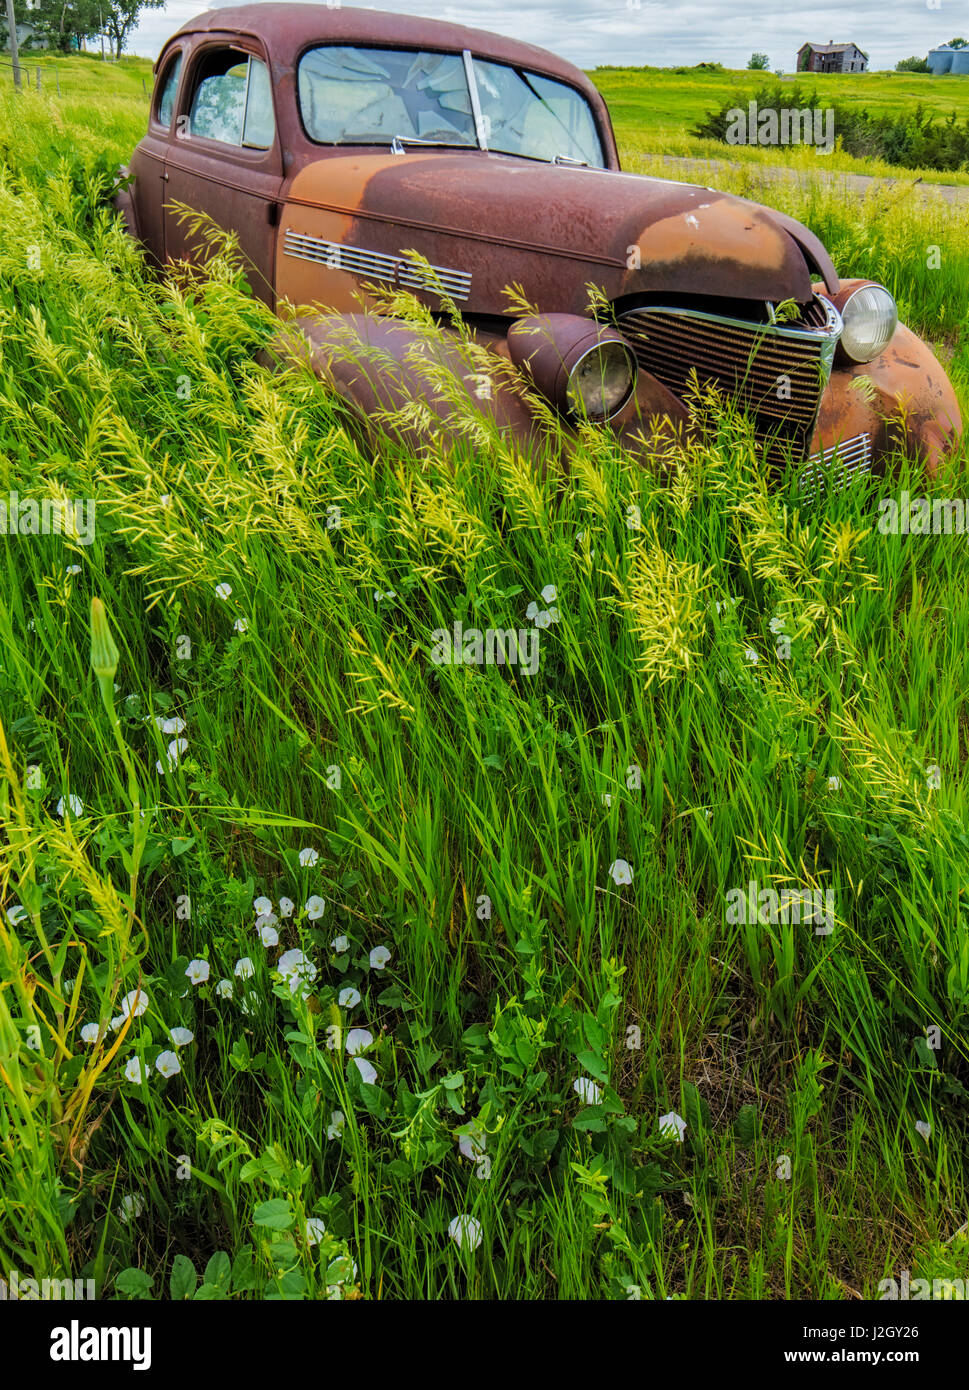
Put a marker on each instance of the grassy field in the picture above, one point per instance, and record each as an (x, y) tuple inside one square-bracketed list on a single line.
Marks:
[(665, 101), (654, 109), (513, 886)]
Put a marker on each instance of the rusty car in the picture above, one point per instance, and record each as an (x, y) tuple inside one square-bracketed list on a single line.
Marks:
[(352, 151)]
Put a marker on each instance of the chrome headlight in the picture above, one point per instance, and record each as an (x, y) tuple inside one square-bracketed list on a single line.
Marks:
[(870, 317), (602, 380), (584, 369)]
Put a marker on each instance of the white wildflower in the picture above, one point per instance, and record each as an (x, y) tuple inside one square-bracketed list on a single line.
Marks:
[(672, 1126), (620, 871), (368, 1073), (315, 1230), (134, 1003), (587, 1091), (198, 971), (358, 1040), (135, 1070), (465, 1231), (167, 1063)]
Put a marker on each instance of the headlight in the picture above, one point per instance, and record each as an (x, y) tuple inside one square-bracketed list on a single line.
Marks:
[(585, 370), (602, 380), (870, 317)]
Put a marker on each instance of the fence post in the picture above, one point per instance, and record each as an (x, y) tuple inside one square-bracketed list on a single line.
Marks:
[(14, 54), (144, 88), (38, 79)]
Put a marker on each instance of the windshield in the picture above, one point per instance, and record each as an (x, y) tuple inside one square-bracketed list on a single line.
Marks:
[(372, 96), (367, 96), (535, 116)]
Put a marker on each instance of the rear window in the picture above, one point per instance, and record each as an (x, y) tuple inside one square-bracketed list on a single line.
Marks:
[(169, 86)]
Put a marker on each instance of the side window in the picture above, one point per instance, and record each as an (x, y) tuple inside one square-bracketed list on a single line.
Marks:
[(233, 101), (167, 89)]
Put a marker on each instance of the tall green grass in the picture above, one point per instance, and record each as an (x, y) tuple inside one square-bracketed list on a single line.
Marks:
[(469, 820)]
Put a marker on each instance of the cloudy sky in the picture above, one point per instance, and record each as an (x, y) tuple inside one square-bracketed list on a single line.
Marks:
[(643, 31)]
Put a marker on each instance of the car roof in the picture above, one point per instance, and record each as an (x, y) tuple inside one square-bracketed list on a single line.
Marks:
[(288, 29)]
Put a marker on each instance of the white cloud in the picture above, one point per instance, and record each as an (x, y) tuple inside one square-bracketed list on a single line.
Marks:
[(590, 32)]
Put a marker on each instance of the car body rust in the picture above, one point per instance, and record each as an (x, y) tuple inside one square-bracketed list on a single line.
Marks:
[(744, 294)]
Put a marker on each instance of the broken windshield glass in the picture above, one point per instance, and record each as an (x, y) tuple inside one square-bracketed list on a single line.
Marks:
[(364, 95)]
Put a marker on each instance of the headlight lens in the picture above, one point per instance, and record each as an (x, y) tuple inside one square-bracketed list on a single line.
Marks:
[(585, 369), (602, 381), (870, 318)]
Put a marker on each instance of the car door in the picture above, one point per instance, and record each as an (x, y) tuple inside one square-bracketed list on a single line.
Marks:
[(147, 165), (224, 158)]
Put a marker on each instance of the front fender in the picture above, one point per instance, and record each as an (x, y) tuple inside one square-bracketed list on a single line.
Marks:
[(426, 384), (434, 389), (902, 398)]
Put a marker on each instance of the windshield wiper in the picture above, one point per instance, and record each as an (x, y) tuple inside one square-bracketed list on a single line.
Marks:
[(567, 159), (400, 142)]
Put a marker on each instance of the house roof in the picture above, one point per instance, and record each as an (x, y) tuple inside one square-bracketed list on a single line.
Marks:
[(832, 48)]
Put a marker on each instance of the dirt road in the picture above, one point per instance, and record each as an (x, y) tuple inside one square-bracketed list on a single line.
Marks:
[(703, 169)]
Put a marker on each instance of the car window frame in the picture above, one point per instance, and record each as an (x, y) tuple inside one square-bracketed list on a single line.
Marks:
[(248, 154)]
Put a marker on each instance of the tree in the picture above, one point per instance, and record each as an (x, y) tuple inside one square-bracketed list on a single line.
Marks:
[(912, 65), (64, 23), (122, 16), (759, 62), (959, 43)]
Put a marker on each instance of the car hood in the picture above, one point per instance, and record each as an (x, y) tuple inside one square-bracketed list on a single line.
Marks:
[(495, 221)]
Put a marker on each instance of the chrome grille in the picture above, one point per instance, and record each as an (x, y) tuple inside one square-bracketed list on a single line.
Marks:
[(776, 371), (811, 315), (835, 467), (374, 265)]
